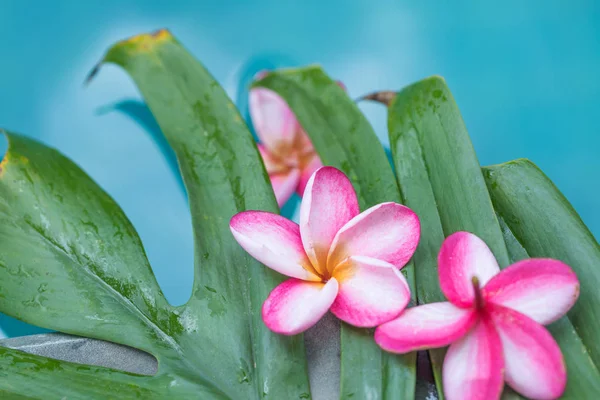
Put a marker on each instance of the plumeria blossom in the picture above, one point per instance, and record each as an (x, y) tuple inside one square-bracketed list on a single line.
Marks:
[(287, 152), (492, 322), (337, 259)]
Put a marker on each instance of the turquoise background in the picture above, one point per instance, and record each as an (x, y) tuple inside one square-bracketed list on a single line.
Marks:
[(525, 74)]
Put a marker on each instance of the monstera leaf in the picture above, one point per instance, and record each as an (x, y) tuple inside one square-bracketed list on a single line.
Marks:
[(440, 178), (71, 261), (343, 138)]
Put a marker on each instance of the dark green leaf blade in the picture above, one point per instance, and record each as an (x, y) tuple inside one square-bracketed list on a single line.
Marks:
[(344, 139), (223, 175), (428, 107), (441, 180), (544, 224), (583, 376)]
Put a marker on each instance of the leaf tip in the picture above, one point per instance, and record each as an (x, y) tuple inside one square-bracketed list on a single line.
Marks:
[(92, 74), (384, 97), (146, 41), (143, 42), (437, 78), (437, 83), (517, 162)]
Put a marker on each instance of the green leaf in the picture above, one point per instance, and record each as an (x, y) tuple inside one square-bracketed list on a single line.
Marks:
[(344, 139), (70, 260), (223, 175), (540, 222), (43, 378), (441, 180)]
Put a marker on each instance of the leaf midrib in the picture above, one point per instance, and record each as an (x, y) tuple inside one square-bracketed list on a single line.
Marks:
[(129, 305), (134, 310)]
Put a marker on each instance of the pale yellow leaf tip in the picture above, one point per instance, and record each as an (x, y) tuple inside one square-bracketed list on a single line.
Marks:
[(145, 41), (156, 36), (138, 44), (3, 160)]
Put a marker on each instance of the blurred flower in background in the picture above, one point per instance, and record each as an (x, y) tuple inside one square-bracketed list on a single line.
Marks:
[(287, 152), (286, 149)]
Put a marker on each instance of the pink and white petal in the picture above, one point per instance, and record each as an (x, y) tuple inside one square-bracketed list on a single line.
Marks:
[(371, 292), (541, 288), (329, 202), (473, 365), (275, 124), (295, 305), (309, 169), (534, 365), (389, 232), (424, 327), (272, 164), (303, 144), (274, 241), (462, 257), (284, 185)]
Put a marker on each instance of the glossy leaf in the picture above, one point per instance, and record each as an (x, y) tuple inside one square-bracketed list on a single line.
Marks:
[(539, 222), (440, 179), (343, 138), (70, 260)]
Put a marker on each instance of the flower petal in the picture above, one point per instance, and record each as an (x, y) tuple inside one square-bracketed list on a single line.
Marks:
[(371, 292), (284, 185), (534, 364), (274, 241), (272, 164), (473, 366), (541, 288), (275, 124), (309, 169), (388, 231), (462, 257), (428, 326), (295, 305), (329, 202), (303, 144)]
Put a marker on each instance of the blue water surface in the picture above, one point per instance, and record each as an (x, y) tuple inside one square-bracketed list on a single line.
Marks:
[(525, 75)]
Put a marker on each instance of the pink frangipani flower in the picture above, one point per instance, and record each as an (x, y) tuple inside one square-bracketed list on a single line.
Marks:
[(287, 152), (337, 259), (493, 322)]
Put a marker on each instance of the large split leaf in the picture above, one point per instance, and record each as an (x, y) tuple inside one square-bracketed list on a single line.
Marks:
[(343, 138), (539, 222), (70, 260)]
